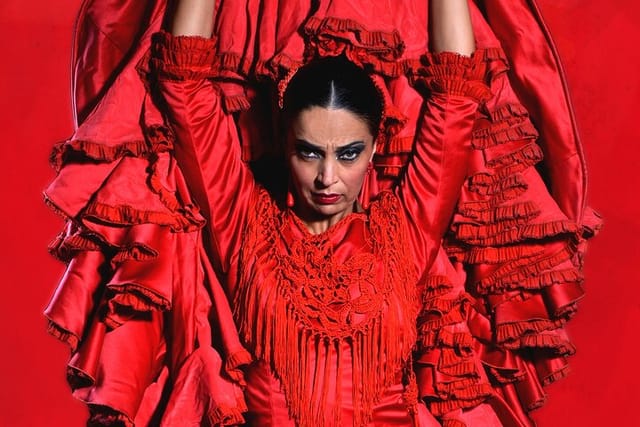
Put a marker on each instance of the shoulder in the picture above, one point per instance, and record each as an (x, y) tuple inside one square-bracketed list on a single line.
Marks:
[(386, 214), (264, 209), (385, 203)]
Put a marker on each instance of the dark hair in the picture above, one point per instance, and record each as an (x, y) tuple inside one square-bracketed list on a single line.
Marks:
[(337, 83)]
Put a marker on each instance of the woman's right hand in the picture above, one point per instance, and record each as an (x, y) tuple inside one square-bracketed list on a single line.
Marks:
[(194, 18)]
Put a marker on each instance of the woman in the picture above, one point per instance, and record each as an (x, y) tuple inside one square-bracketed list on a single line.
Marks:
[(329, 295), (325, 296)]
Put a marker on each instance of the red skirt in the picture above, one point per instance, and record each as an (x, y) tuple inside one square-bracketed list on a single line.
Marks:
[(508, 278)]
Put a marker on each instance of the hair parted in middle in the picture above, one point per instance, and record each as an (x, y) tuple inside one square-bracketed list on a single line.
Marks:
[(335, 83)]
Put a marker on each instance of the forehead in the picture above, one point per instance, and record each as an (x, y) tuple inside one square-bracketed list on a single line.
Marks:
[(328, 126)]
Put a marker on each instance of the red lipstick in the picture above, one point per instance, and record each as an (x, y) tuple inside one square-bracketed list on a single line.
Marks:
[(325, 199)]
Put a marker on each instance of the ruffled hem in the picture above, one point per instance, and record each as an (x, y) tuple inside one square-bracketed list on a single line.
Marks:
[(492, 255), (200, 394), (235, 103), (63, 335), (129, 215), (107, 270), (277, 67), (104, 416), (117, 302), (464, 361), (130, 299), (448, 372), (453, 74), (75, 239), (226, 416), (184, 58), (472, 349), (461, 395), (518, 211), (332, 36), (530, 272), (231, 62), (98, 170), (96, 151), (497, 329), (508, 123), (232, 365), (506, 232)]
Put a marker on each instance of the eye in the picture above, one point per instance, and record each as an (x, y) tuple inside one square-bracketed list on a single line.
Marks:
[(306, 153), (350, 154)]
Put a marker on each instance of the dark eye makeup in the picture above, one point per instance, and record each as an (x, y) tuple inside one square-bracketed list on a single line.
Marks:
[(346, 153), (305, 150), (350, 152)]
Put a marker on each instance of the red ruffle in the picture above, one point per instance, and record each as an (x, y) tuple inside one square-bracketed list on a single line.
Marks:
[(200, 395), (184, 58), (129, 213), (522, 282), (508, 123), (331, 36), (122, 173), (449, 374), (455, 74), (521, 251), (492, 255), (117, 301)]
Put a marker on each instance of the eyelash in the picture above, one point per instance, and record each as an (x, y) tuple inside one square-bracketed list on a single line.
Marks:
[(307, 154), (349, 155)]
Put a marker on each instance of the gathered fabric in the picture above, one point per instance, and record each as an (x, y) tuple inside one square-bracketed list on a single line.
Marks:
[(193, 296), (312, 306)]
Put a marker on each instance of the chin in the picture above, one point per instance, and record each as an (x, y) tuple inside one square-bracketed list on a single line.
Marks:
[(332, 210)]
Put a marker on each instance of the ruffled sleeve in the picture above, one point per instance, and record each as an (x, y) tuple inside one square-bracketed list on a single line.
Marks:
[(136, 316), (454, 86), (183, 58), (507, 276), (208, 147)]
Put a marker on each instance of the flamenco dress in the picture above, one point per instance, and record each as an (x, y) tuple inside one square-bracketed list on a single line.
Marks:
[(147, 301)]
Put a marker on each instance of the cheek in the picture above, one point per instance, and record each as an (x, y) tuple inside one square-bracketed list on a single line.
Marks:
[(302, 173), (354, 177)]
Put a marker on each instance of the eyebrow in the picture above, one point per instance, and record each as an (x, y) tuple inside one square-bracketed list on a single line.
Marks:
[(317, 148)]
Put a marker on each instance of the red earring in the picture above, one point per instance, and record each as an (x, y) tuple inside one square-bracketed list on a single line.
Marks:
[(290, 200), (367, 187)]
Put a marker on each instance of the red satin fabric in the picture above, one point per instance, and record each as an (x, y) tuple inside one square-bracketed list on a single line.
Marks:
[(490, 327), (210, 155), (268, 406)]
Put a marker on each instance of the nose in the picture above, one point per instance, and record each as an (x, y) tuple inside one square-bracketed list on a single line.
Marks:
[(327, 173)]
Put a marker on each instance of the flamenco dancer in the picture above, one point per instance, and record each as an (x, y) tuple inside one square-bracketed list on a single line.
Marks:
[(412, 269)]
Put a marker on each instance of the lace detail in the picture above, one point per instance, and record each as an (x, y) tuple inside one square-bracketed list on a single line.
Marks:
[(319, 289), (297, 307)]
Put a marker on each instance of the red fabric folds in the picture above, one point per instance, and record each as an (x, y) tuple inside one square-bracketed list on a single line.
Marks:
[(140, 305), (135, 304)]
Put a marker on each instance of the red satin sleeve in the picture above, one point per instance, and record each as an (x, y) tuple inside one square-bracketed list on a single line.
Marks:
[(207, 143), (434, 176)]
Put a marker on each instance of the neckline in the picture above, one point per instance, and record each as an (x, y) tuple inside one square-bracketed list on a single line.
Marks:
[(343, 222)]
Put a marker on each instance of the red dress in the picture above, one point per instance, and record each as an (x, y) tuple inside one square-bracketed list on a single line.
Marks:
[(333, 315), (489, 322)]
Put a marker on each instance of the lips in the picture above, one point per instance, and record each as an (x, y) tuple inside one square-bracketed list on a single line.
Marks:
[(325, 199)]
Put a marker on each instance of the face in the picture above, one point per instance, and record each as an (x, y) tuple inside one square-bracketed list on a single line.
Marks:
[(329, 151)]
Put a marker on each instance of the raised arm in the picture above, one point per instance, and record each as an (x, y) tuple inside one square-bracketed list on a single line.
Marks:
[(207, 146), (450, 28), (452, 80), (193, 18)]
